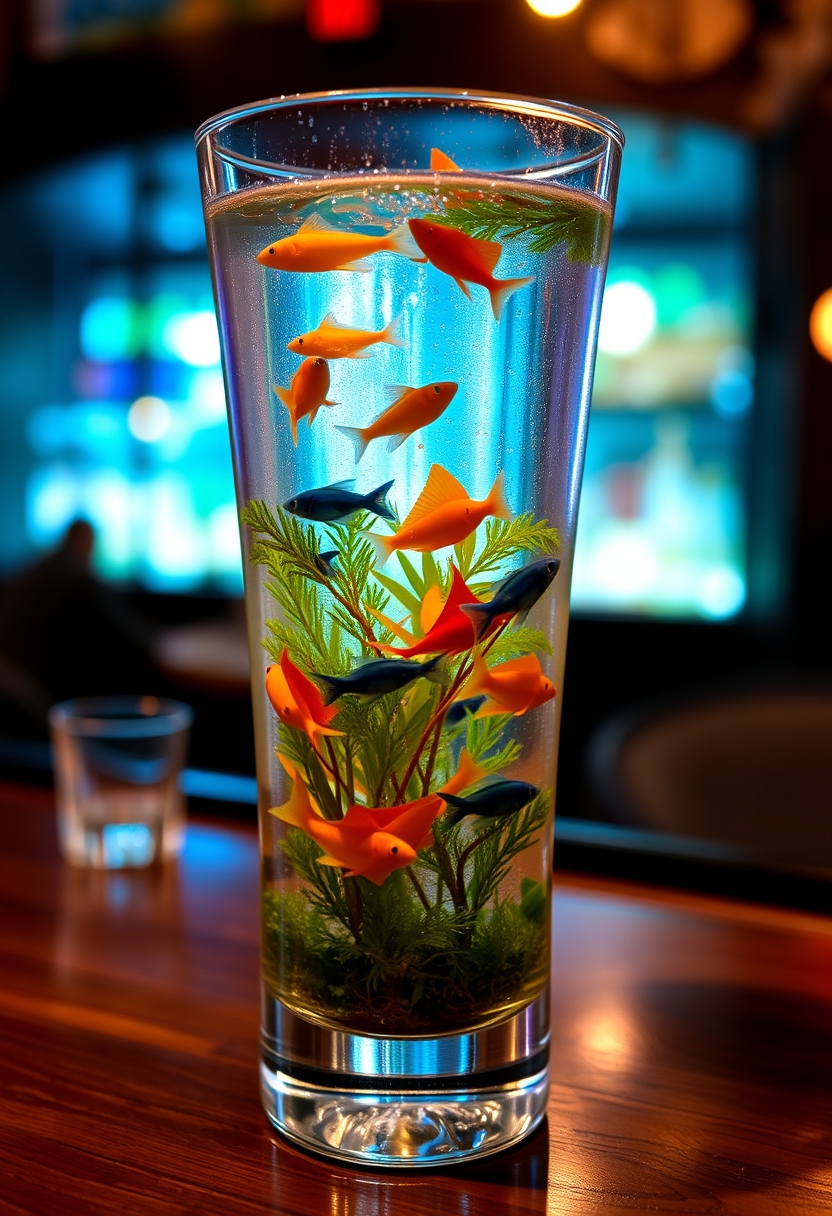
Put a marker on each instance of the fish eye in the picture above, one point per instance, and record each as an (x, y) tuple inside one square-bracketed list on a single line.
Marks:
[(436, 388), (271, 251), (394, 849), (320, 363), (550, 566), (300, 341), (292, 504)]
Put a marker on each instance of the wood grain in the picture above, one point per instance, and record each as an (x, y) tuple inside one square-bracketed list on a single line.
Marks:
[(692, 1058)]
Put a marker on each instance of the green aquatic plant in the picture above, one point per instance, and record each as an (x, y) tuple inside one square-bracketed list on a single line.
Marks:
[(543, 222), (440, 935)]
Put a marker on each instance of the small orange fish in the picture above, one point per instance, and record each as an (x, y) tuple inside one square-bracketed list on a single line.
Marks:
[(440, 163), (513, 687), (356, 845), (334, 341), (297, 701), (307, 392), (466, 259), (442, 515), (449, 633), (467, 773), (410, 409), (317, 247)]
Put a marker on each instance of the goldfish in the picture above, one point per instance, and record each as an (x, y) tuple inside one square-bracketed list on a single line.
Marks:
[(497, 800), (334, 341), (378, 677), (440, 163), (297, 701), (513, 687), (330, 503), (442, 515), (355, 844), (316, 247), (410, 821), (468, 772), (516, 596), (307, 392), (452, 631), (466, 259), (410, 409)]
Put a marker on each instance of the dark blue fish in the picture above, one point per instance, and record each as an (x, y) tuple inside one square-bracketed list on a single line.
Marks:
[(460, 710), (378, 677), (515, 596), (329, 504), (323, 563), (494, 801)]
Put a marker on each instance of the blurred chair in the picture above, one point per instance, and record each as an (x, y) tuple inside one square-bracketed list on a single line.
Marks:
[(750, 766)]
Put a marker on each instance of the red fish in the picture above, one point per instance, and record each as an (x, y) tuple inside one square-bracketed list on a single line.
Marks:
[(513, 687), (452, 631), (466, 259)]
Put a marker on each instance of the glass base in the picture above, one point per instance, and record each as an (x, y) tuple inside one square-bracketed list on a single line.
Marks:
[(405, 1102)]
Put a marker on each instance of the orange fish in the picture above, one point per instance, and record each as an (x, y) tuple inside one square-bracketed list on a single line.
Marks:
[(467, 773), (466, 259), (334, 341), (411, 408), (355, 843), (442, 515), (297, 701), (317, 247), (307, 392), (450, 633), (440, 163), (513, 687)]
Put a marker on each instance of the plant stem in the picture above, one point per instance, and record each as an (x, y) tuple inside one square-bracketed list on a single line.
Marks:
[(355, 903), (431, 760), (350, 779), (420, 890), (336, 774), (466, 853)]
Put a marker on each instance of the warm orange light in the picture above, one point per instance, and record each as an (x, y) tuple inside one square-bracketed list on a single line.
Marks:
[(820, 325), (553, 8)]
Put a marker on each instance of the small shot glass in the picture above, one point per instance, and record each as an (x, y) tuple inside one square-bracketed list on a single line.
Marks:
[(118, 762)]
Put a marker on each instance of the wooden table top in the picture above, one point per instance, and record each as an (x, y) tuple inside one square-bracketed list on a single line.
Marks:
[(691, 1065)]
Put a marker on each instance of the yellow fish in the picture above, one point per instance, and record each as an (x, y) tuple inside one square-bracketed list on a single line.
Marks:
[(334, 341), (317, 247), (513, 687), (442, 515), (307, 392), (410, 409), (356, 843), (466, 259)]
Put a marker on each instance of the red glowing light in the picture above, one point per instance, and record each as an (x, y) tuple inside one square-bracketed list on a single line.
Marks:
[(341, 20)]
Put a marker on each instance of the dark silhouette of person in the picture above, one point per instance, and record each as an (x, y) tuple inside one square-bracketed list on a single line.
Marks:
[(64, 633)]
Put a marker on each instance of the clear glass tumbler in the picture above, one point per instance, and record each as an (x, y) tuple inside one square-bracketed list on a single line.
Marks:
[(118, 761), (408, 287)]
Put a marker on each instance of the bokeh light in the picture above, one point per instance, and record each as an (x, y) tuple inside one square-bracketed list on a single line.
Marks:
[(193, 338), (553, 8), (149, 419), (820, 324), (628, 318)]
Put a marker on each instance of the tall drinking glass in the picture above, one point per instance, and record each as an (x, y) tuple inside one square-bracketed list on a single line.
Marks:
[(408, 287)]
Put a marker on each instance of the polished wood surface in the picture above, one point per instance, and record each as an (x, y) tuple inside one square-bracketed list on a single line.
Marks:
[(692, 1052)]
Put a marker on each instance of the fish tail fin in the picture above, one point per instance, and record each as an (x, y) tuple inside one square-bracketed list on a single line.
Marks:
[(437, 670), (330, 687), (382, 545), (377, 501), (497, 502), (298, 810), (502, 289), (356, 435), (393, 333), (457, 810), (401, 241), (479, 616), (285, 395)]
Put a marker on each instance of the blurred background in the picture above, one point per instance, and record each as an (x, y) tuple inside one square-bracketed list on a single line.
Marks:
[(697, 720)]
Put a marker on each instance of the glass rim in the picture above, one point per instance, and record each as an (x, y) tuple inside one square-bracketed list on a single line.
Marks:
[(121, 717), (536, 107)]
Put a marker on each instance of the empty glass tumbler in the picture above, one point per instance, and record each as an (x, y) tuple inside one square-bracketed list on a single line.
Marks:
[(408, 287)]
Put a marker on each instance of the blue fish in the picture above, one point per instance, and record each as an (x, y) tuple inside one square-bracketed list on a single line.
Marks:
[(329, 504), (460, 710), (379, 676), (323, 563), (496, 800), (516, 596)]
